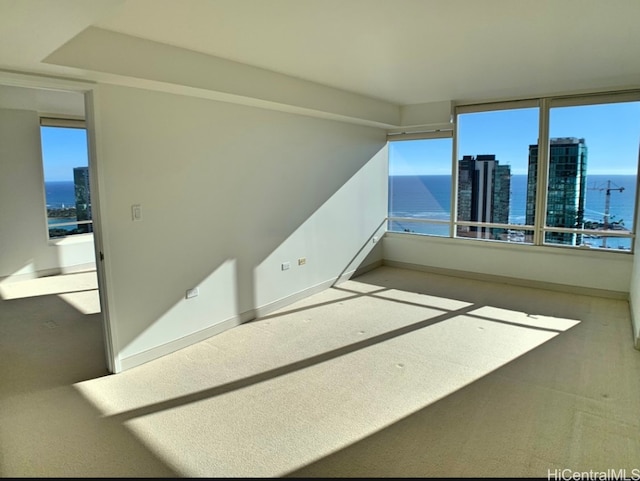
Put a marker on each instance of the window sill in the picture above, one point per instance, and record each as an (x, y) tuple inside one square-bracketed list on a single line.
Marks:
[(72, 239)]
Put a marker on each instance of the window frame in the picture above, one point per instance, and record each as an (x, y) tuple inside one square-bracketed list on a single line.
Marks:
[(544, 104), (480, 108), (446, 132), (67, 122), (578, 101)]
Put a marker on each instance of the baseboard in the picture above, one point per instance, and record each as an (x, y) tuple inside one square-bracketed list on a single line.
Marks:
[(55, 271), (173, 346), (635, 329), (587, 291), (89, 266), (369, 267), (290, 299), (168, 348)]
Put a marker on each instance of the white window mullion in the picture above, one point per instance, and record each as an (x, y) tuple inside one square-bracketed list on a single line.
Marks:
[(454, 180), (542, 174)]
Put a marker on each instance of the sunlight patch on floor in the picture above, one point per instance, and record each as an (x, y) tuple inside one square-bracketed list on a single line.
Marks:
[(50, 285), (203, 419)]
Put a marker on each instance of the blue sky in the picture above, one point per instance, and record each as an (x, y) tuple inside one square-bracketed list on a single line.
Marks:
[(611, 132), (62, 150)]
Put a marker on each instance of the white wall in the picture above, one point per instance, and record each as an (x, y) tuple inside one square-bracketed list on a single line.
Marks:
[(228, 193), (603, 273), (25, 250)]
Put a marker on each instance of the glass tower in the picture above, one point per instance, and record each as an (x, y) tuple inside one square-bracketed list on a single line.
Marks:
[(484, 188), (566, 191), (83, 197)]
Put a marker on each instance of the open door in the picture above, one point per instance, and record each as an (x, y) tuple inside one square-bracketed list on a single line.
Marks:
[(98, 236)]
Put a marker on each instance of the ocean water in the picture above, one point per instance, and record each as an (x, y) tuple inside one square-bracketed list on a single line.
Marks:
[(429, 197), (60, 194)]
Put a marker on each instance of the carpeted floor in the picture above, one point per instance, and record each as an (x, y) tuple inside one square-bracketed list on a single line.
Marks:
[(395, 373)]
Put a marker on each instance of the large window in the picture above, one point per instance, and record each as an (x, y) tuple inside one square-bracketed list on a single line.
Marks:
[(592, 174), (493, 172), (66, 177), (557, 171)]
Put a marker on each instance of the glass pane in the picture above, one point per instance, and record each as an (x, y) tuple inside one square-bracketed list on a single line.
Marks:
[(396, 225), (494, 171), (520, 236), (593, 159), (420, 185), (66, 179), (608, 242)]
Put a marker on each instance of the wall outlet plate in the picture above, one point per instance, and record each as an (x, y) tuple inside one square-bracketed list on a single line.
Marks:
[(136, 212), (193, 292)]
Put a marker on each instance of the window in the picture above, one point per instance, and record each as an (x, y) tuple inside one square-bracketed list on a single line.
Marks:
[(592, 173), (586, 170), (420, 186), (66, 177), (493, 171)]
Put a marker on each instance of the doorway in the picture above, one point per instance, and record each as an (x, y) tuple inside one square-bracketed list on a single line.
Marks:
[(51, 232)]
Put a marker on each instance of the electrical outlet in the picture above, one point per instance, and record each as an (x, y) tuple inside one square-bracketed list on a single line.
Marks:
[(302, 261), (192, 292), (285, 266), (136, 212)]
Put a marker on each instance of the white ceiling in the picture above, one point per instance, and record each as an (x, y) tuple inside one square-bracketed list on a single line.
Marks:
[(400, 51)]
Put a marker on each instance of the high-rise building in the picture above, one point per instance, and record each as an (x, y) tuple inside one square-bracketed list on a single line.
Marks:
[(83, 197), (567, 185), (484, 188)]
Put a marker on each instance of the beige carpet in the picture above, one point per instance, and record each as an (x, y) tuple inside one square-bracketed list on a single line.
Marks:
[(394, 373)]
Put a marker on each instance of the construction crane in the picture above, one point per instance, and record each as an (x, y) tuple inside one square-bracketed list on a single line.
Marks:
[(607, 203)]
